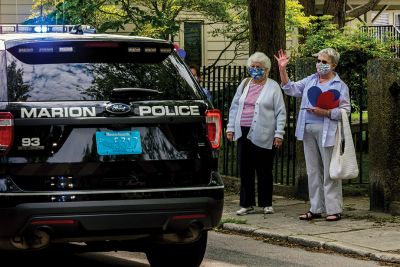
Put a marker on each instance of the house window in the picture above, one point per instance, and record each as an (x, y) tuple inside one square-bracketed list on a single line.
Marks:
[(193, 43), (397, 20)]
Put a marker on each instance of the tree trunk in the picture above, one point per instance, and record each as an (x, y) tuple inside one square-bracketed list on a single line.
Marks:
[(309, 7), (309, 10), (267, 29), (337, 9), (384, 135), (360, 10)]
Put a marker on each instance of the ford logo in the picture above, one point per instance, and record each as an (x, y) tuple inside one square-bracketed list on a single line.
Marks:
[(118, 108)]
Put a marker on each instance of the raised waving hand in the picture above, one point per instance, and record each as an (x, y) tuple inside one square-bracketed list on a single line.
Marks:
[(282, 59)]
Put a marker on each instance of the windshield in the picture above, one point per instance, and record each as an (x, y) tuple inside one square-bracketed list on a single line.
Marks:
[(61, 79)]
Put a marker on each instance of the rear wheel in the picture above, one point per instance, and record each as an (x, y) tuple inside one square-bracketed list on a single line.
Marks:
[(188, 255)]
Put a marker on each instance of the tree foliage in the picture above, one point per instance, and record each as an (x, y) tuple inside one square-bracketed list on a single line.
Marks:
[(323, 33), (295, 17), (73, 12)]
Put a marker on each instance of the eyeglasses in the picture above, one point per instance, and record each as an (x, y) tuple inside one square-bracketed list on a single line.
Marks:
[(322, 61)]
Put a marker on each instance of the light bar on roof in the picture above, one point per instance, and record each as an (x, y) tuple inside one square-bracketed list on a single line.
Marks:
[(19, 28), (8, 28), (57, 28), (25, 29)]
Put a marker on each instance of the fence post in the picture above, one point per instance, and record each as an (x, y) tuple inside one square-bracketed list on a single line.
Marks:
[(303, 68), (384, 124)]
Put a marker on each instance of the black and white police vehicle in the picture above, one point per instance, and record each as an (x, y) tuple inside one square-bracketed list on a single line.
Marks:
[(108, 142)]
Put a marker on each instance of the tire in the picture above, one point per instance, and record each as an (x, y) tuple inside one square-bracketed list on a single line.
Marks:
[(179, 255)]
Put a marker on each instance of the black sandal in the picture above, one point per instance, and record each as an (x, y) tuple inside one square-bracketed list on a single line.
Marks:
[(335, 217), (308, 216)]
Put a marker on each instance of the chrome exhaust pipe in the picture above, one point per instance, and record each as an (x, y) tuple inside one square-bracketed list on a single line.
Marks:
[(37, 238), (191, 234)]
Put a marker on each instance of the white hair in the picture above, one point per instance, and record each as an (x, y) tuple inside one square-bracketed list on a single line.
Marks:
[(332, 53), (259, 57)]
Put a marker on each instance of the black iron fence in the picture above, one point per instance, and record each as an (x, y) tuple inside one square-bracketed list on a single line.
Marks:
[(222, 81)]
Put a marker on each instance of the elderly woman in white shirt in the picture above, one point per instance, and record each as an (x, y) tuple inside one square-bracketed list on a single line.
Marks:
[(316, 127), (257, 118)]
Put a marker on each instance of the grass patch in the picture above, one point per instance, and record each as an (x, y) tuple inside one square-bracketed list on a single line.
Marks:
[(355, 189), (355, 117), (392, 219), (378, 220), (231, 220)]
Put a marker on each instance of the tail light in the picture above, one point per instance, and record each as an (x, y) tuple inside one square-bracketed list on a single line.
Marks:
[(6, 132), (214, 127)]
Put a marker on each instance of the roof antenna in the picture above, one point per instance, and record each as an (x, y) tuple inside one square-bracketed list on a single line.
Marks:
[(55, 10), (16, 11), (63, 10), (16, 16), (41, 14)]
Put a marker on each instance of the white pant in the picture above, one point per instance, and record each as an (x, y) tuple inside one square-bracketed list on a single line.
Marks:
[(325, 193)]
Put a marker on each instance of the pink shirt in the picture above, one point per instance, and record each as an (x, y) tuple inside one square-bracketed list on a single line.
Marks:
[(249, 104)]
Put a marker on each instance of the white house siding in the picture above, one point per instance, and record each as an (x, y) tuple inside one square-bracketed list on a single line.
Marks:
[(14, 11), (211, 45), (218, 43)]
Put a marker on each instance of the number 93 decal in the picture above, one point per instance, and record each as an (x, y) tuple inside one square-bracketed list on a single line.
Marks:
[(30, 143)]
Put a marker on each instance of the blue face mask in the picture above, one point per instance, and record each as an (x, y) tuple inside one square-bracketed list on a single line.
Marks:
[(256, 73)]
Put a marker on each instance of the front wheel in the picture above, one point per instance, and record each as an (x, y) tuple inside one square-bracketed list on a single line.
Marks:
[(187, 255)]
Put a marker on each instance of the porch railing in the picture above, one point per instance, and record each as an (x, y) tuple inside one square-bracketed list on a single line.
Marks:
[(383, 33)]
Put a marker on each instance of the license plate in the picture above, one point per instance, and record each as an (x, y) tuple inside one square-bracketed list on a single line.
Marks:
[(118, 143)]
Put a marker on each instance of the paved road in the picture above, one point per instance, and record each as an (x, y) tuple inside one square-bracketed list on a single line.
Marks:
[(223, 251), (245, 251)]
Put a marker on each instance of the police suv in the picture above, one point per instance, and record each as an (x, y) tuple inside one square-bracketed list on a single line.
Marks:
[(106, 141)]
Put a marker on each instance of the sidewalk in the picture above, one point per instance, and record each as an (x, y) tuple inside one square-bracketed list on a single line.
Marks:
[(361, 232)]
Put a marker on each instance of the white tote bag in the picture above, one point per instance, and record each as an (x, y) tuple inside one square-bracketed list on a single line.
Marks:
[(344, 161)]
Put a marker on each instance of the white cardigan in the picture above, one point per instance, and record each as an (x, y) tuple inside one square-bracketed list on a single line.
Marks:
[(269, 114)]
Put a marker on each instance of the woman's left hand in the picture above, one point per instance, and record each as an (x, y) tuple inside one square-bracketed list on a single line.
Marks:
[(277, 142)]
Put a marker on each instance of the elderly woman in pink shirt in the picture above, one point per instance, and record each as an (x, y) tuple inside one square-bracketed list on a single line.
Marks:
[(257, 118)]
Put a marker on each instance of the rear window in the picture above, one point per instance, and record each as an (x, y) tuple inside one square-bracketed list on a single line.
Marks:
[(87, 71)]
